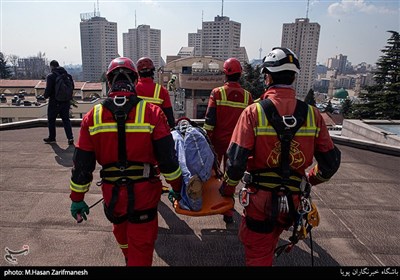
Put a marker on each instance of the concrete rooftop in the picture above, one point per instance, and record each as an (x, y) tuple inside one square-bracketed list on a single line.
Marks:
[(359, 210)]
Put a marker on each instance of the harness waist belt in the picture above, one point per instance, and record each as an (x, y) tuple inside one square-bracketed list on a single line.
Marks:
[(269, 180), (113, 173)]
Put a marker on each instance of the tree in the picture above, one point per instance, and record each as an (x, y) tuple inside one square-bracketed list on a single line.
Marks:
[(5, 70), (382, 101), (310, 98), (329, 107), (14, 63), (346, 108), (252, 80)]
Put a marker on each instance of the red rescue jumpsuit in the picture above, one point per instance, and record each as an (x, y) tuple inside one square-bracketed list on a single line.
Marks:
[(156, 94), (255, 146), (148, 140), (225, 105)]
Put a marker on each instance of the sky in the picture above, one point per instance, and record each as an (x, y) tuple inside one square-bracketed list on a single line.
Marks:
[(356, 28)]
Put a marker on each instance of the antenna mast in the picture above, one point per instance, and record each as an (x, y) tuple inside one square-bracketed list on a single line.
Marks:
[(96, 9), (135, 20), (260, 49), (308, 5), (222, 10)]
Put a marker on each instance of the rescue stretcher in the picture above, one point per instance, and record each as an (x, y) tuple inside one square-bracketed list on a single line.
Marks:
[(213, 202)]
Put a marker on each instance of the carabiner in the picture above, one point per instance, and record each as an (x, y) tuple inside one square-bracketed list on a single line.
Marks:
[(244, 197)]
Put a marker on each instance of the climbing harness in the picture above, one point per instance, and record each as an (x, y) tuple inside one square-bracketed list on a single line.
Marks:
[(284, 182), (125, 173)]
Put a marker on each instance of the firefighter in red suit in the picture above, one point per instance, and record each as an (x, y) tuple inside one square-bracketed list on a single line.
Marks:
[(127, 136), (225, 105), (153, 92), (275, 192)]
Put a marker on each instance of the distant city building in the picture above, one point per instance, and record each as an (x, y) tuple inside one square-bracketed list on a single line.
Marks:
[(186, 51), (143, 41), (321, 69), (219, 39), (99, 45), (338, 63), (302, 37), (32, 68), (196, 77), (194, 40)]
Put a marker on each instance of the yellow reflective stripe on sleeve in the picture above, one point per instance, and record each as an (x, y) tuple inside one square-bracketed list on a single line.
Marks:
[(229, 181), (79, 188), (174, 175), (123, 246), (208, 127)]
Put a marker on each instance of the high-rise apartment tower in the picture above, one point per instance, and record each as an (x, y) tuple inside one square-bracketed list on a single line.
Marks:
[(219, 38), (302, 37), (99, 45), (143, 41)]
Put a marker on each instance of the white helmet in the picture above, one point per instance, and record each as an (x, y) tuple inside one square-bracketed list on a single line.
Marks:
[(280, 59)]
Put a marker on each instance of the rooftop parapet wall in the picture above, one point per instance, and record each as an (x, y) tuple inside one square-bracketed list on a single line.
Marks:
[(365, 130)]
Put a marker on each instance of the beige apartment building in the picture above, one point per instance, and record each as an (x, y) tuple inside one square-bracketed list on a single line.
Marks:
[(99, 45), (196, 77), (143, 41), (28, 105), (302, 37)]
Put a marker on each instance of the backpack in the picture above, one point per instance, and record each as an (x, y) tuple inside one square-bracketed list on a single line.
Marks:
[(64, 87)]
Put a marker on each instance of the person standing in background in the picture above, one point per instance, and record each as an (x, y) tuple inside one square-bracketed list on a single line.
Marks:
[(56, 107)]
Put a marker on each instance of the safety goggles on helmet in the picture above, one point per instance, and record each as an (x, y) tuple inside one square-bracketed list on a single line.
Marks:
[(280, 59)]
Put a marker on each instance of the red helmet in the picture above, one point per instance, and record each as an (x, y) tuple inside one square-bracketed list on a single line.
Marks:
[(232, 66), (121, 65), (145, 64)]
